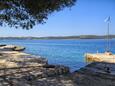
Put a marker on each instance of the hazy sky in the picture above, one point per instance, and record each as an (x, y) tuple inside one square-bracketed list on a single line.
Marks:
[(86, 17)]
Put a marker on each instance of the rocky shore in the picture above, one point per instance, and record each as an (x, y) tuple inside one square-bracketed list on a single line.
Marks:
[(5, 47), (22, 69), (95, 74)]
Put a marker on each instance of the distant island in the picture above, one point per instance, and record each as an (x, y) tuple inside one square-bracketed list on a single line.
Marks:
[(65, 37)]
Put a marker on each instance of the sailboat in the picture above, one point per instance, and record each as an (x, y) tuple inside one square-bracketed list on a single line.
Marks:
[(107, 56)]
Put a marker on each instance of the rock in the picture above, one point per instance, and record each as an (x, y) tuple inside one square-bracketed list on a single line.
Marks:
[(20, 59), (2, 45), (30, 60), (49, 66), (18, 48), (95, 74), (7, 47), (11, 48), (22, 69), (60, 69), (49, 81), (29, 77), (54, 70)]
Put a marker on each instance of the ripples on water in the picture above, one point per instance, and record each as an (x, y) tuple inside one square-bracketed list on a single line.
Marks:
[(65, 52)]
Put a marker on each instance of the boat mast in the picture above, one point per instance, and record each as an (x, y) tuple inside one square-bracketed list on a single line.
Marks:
[(108, 44), (108, 20)]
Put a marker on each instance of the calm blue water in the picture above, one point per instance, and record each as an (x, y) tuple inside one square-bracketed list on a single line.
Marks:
[(65, 52)]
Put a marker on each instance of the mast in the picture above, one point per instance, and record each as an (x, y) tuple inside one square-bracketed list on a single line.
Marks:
[(108, 44), (108, 20)]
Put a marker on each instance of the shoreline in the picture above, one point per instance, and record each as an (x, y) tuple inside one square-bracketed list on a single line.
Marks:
[(22, 69), (15, 64), (64, 37)]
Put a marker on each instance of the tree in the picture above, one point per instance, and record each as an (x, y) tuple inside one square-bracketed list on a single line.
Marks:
[(27, 13)]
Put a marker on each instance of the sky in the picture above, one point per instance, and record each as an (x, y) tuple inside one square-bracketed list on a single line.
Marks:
[(85, 18)]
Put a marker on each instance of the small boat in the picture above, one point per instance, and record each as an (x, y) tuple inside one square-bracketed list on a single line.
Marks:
[(107, 56)]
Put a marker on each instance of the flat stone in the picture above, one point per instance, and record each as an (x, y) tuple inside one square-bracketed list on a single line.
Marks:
[(95, 74), (11, 48), (19, 48)]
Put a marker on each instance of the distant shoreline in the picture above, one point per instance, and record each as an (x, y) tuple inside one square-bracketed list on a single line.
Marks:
[(64, 37)]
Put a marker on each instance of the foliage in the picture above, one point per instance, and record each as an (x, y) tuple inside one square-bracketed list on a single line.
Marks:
[(27, 13)]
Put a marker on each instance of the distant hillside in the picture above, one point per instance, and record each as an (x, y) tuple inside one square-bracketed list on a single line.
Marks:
[(64, 37)]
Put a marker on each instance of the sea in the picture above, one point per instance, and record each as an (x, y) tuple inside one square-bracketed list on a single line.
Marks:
[(62, 51)]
